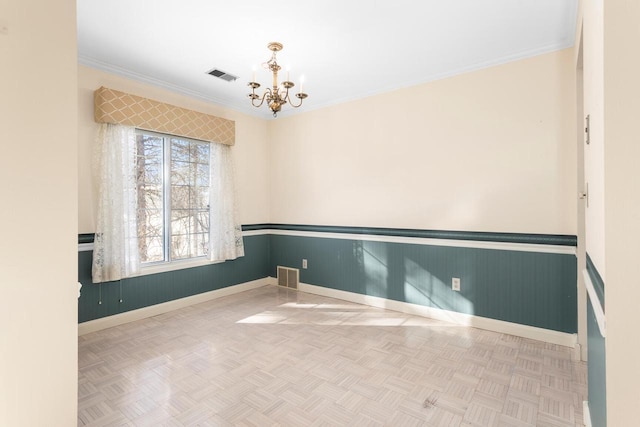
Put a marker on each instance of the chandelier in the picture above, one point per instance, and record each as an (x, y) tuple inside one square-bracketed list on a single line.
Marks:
[(278, 95)]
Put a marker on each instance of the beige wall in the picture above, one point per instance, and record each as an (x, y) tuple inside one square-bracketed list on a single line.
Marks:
[(612, 98), (492, 150), (594, 152), (622, 208), (250, 151), (582, 298), (38, 189)]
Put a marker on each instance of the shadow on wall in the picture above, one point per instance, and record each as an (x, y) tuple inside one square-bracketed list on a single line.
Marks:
[(530, 288), (392, 274)]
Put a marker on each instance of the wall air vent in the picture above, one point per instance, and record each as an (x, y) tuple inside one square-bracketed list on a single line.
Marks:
[(288, 277), (222, 75)]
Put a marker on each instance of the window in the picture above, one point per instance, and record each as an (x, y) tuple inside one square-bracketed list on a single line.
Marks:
[(162, 198), (172, 176)]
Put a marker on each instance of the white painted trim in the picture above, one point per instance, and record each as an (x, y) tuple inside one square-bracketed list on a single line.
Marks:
[(84, 247), (505, 246), (554, 337), (154, 310), (254, 233), (579, 353), (161, 267), (272, 281), (531, 332), (89, 246), (174, 265), (586, 413), (595, 303)]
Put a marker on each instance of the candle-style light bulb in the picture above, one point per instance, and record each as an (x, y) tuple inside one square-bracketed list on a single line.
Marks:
[(301, 82), (254, 74)]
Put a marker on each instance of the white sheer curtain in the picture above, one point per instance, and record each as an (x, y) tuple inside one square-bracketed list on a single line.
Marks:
[(225, 231), (115, 249)]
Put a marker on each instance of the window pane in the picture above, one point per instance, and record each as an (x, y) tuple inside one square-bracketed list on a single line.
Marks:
[(149, 146), (181, 173), (187, 183), (154, 249), (150, 222), (202, 175), (200, 152), (180, 197), (202, 220), (194, 225), (180, 222), (180, 247), (179, 150), (150, 196), (152, 173), (200, 244), (199, 197), (150, 199)]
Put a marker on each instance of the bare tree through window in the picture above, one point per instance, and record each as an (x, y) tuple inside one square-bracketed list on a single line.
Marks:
[(173, 197)]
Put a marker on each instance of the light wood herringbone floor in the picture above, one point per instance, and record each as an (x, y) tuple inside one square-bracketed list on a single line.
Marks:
[(273, 356)]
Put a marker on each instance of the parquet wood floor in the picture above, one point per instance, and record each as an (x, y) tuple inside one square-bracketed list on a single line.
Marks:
[(276, 357)]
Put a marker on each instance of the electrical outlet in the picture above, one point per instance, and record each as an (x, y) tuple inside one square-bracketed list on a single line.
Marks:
[(304, 264), (455, 284)]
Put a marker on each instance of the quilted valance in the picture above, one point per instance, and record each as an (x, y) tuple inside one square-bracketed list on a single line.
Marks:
[(112, 106)]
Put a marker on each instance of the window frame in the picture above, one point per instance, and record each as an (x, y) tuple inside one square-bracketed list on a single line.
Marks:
[(167, 263)]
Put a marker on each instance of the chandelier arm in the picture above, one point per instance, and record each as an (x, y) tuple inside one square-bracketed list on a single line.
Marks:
[(291, 103), (301, 96), (262, 98)]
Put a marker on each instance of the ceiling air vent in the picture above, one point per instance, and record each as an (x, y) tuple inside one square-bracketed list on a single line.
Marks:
[(222, 75)]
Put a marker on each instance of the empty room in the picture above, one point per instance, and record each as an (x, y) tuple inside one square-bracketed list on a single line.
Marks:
[(319, 213)]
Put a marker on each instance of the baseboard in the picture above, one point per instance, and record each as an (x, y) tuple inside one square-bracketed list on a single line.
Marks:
[(579, 353), (531, 332), (554, 337), (154, 310), (586, 414), (272, 281)]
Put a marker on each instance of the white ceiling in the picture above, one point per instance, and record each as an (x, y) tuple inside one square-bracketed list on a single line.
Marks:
[(345, 49)]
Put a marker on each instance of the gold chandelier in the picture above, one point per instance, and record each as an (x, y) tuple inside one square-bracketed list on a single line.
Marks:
[(278, 95)]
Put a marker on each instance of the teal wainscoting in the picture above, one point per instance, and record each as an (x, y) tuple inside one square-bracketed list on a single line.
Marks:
[(526, 287), (596, 371), (144, 291), (529, 288), (596, 352)]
